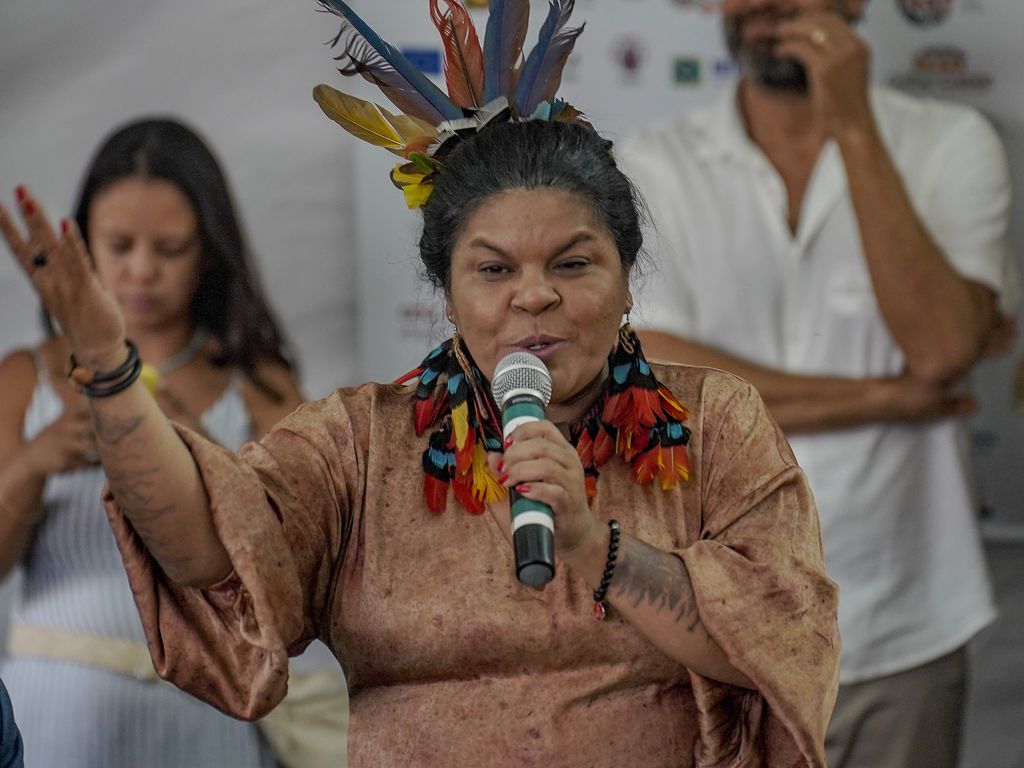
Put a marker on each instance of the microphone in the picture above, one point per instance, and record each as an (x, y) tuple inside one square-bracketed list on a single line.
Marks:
[(522, 389)]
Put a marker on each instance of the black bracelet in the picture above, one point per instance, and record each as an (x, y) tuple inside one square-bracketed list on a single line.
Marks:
[(609, 568), (124, 375)]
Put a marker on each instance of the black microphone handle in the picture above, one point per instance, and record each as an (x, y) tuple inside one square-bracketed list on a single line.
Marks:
[(534, 543)]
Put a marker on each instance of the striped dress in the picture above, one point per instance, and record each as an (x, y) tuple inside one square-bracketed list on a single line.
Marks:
[(73, 579)]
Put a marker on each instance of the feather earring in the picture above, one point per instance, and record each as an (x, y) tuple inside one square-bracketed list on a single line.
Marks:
[(637, 418), (452, 394)]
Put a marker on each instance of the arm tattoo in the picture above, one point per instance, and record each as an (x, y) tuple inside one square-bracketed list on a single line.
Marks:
[(133, 490), (648, 575), (112, 431)]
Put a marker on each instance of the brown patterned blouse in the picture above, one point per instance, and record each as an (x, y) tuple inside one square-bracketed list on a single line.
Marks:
[(451, 661)]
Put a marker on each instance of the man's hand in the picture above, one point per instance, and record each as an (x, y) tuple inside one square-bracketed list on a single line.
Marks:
[(837, 62)]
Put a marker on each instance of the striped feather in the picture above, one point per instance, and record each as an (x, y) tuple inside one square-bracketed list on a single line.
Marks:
[(383, 64)]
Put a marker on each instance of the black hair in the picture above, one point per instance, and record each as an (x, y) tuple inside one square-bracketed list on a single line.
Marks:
[(228, 301), (533, 154)]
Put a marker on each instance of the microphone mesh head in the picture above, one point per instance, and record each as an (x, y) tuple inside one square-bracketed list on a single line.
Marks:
[(521, 370)]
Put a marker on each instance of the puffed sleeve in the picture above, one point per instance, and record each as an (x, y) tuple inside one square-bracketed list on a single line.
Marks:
[(282, 509), (762, 592)]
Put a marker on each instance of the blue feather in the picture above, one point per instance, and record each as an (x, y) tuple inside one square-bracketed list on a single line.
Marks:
[(542, 73), (674, 430), (383, 64), (441, 458), (454, 382), (621, 372), (503, 45)]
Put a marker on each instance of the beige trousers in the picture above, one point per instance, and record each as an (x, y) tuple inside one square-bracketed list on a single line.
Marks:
[(908, 720)]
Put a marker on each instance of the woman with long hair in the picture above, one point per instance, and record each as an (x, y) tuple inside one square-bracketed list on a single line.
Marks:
[(167, 248)]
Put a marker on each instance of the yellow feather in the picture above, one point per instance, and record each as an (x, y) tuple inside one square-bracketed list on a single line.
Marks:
[(369, 122), (485, 485), (410, 128), (460, 423), (416, 195)]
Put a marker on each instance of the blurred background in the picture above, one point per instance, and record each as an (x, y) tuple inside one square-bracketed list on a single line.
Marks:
[(336, 246)]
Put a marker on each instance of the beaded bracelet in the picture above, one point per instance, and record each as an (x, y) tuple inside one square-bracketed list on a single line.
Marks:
[(123, 376), (609, 568)]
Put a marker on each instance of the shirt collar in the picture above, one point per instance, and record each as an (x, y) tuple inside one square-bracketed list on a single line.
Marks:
[(724, 134)]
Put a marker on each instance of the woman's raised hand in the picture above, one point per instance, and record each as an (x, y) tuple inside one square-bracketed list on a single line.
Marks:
[(61, 272), (66, 444)]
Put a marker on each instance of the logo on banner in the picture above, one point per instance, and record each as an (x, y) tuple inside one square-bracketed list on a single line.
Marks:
[(925, 13), (630, 54), (426, 60), (724, 68), (941, 68), (686, 70)]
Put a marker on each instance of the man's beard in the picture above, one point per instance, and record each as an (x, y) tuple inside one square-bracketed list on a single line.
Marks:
[(758, 62)]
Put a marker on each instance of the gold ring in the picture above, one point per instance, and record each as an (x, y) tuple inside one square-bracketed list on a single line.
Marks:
[(818, 37)]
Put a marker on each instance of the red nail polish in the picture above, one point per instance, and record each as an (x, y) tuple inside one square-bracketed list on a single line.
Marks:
[(29, 206), (501, 466), (64, 226), (524, 488), (503, 479), (19, 193), (508, 442)]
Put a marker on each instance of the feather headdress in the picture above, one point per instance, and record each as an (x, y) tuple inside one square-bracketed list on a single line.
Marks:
[(486, 83)]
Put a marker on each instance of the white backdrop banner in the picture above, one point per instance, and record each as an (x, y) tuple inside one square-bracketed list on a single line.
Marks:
[(640, 60), (242, 73)]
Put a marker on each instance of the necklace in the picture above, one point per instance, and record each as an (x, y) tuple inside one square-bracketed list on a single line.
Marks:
[(186, 354), (151, 374)]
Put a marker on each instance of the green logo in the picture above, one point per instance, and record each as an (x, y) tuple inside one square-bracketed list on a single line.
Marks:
[(687, 70)]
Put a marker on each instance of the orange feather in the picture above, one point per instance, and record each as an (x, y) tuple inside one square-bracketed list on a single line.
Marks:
[(673, 407), (585, 448), (464, 57), (604, 447), (464, 493), (427, 411), (674, 466), (647, 465)]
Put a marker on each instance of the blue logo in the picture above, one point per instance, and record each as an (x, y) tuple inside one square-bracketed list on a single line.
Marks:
[(426, 60)]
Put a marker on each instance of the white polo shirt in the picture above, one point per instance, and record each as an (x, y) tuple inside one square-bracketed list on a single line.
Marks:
[(895, 501)]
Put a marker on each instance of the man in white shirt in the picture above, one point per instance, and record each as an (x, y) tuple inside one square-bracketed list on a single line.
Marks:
[(844, 248)]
